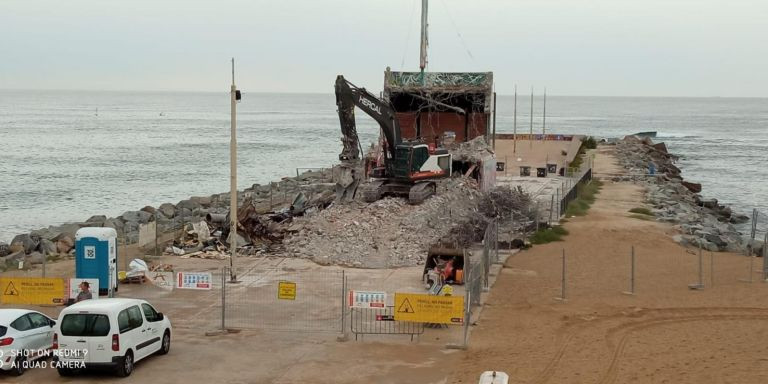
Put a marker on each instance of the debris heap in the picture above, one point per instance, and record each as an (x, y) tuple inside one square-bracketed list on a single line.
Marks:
[(386, 233)]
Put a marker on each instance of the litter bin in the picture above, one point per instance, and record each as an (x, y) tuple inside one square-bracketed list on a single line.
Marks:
[(96, 256)]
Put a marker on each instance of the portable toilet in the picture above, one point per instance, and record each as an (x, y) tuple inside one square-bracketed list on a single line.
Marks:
[(96, 256)]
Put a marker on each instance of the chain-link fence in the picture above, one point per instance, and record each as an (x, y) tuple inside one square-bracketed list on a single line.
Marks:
[(284, 299)]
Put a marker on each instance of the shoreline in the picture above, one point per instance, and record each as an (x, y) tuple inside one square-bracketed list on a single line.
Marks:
[(702, 221)]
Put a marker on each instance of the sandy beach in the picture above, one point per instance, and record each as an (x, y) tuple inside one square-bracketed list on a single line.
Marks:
[(665, 333)]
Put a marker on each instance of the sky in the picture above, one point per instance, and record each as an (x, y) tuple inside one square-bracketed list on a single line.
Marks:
[(698, 48)]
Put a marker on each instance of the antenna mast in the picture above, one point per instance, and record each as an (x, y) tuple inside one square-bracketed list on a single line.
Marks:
[(424, 39)]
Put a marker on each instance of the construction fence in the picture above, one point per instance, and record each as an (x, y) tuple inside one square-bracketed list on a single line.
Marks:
[(355, 304)]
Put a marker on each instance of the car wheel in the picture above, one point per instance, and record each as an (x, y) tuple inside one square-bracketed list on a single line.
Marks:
[(166, 345), (126, 365), (65, 372), (18, 368)]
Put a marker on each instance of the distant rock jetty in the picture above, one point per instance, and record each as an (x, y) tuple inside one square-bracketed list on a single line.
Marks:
[(702, 221)]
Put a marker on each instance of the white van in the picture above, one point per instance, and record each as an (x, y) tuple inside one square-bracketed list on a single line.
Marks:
[(111, 333)]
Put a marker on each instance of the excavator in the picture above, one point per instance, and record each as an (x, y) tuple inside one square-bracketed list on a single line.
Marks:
[(409, 168)]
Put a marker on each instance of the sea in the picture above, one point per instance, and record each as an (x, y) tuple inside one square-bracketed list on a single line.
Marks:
[(68, 155)]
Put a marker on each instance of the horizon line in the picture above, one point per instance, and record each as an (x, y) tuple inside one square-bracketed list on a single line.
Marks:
[(331, 93)]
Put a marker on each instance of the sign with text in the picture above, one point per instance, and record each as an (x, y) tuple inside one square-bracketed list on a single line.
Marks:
[(286, 290), (32, 290), (422, 308), (194, 280), (74, 287), (367, 299)]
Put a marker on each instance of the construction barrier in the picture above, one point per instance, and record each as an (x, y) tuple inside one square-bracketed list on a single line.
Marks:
[(33, 290)]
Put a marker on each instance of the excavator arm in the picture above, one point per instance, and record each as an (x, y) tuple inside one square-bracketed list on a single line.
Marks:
[(349, 96)]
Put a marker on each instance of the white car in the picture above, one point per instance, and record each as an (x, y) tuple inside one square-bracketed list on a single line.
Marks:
[(24, 336), (109, 333)]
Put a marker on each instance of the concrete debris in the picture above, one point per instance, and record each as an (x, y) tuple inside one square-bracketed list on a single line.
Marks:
[(386, 233)]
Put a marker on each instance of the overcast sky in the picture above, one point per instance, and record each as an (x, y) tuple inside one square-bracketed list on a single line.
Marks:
[(573, 47)]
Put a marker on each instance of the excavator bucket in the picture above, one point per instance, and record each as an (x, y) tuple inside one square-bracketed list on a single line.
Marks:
[(349, 179)]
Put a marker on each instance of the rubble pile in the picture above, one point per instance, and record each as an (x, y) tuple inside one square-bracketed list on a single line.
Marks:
[(386, 233), (470, 151), (702, 221)]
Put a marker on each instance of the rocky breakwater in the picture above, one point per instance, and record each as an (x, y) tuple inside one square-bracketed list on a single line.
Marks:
[(701, 221), (58, 241)]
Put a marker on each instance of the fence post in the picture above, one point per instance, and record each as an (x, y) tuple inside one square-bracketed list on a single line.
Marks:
[(631, 272), (343, 304), (156, 234), (496, 241), (765, 258), (700, 284), (223, 297), (562, 281), (551, 208)]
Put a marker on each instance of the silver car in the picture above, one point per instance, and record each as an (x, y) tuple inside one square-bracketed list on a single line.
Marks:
[(25, 336)]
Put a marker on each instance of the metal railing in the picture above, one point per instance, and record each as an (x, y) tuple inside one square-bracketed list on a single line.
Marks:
[(381, 321)]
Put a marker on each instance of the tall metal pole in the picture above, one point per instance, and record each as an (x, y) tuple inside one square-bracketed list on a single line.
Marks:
[(424, 41), (544, 125), (530, 138), (233, 179), (514, 127), (494, 121)]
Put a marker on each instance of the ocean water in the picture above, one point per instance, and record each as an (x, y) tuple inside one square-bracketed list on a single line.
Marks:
[(65, 156)]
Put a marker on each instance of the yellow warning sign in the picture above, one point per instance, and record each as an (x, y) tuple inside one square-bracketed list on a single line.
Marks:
[(32, 290), (286, 290), (422, 308)]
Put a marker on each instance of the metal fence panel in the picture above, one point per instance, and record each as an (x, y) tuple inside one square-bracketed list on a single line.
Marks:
[(380, 321), (279, 299)]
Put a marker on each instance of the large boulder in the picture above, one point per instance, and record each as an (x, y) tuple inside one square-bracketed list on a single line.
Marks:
[(49, 233), (204, 201), (114, 223), (5, 249), (64, 244), (48, 247), (34, 258), (28, 242), (136, 217), (168, 210), (661, 147), (739, 219), (96, 219), (693, 187), (188, 204), (13, 257), (149, 209)]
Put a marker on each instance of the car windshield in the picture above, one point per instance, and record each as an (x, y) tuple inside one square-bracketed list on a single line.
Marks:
[(3, 330), (85, 324)]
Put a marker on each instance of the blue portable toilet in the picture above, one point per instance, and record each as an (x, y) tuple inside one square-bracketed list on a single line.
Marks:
[(96, 256)]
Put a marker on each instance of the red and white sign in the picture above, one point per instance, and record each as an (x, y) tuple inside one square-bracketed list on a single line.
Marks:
[(367, 299), (194, 280)]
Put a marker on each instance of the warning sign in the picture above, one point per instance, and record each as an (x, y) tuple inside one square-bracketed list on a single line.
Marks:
[(32, 290), (405, 306), (422, 308), (367, 299), (286, 290), (10, 290)]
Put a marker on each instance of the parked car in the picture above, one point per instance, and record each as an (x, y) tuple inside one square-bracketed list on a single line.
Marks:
[(109, 333), (24, 336)]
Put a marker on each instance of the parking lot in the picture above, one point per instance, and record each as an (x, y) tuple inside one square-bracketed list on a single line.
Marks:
[(264, 349)]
